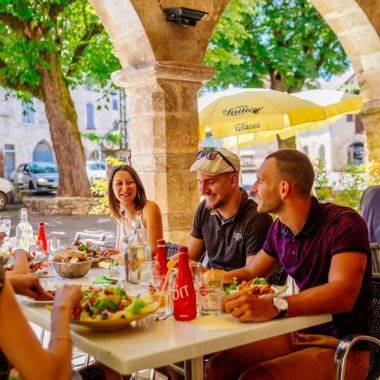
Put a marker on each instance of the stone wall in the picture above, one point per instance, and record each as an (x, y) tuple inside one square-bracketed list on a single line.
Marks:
[(60, 205)]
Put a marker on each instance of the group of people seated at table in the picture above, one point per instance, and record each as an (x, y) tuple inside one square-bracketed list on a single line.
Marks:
[(323, 247)]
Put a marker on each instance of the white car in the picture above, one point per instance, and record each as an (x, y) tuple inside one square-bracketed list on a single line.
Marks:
[(7, 194), (96, 170)]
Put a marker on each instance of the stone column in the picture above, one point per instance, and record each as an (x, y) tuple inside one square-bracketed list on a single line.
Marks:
[(371, 121), (164, 137)]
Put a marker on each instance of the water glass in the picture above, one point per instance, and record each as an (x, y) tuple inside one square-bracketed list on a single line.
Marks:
[(196, 271), (164, 295), (5, 226), (147, 280), (132, 266), (210, 292), (54, 245)]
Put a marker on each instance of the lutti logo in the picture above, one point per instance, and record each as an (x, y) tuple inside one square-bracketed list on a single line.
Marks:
[(240, 110)]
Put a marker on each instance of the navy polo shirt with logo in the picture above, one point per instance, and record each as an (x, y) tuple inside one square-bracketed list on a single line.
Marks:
[(306, 256), (229, 242)]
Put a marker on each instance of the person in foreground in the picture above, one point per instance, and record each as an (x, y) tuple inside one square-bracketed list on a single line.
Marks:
[(226, 224), (19, 348), (128, 202), (325, 248)]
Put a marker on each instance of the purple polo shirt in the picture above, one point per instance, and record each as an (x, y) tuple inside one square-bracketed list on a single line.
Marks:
[(329, 230)]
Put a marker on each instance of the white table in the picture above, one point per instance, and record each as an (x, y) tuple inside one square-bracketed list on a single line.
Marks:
[(161, 343)]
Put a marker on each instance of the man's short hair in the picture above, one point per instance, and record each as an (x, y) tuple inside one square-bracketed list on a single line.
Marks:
[(295, 167)]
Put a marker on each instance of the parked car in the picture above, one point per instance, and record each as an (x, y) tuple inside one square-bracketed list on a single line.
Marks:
[(7, 194), (36, 177), (96, 170)]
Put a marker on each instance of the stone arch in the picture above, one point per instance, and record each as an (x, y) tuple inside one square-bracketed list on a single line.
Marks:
[(141, 34), (359, 39), (357, 25), (43, 152)]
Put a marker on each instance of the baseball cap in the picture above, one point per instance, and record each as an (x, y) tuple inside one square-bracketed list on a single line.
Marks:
[(216, 161)]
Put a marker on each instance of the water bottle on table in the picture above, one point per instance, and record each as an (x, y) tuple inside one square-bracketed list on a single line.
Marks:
[(24, 231)]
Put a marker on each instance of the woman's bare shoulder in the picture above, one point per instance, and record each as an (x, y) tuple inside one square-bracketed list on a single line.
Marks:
[(151, 206)]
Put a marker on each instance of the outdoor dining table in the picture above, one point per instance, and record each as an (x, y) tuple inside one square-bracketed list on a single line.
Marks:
[(153, 344)]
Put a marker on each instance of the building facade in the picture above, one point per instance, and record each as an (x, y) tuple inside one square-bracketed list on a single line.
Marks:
[(25, 134)]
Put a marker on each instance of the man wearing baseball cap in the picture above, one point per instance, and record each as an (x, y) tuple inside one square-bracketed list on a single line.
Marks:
[(226, 225)]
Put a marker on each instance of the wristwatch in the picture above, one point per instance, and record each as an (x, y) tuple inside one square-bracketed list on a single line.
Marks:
[(281, 304)]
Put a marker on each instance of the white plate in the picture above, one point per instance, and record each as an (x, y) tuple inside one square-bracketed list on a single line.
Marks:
[(32, 301), (105, 325), (46, 273)]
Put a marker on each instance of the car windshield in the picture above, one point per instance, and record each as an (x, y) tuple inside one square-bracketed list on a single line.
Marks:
[(96, 166), (38, 169)]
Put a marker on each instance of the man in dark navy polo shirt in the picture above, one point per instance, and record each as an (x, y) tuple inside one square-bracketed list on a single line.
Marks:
[(227, 224), (325, 248)]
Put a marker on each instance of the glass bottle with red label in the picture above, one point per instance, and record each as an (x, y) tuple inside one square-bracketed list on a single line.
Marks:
[(184, 299), (161, 258), (41, 238)]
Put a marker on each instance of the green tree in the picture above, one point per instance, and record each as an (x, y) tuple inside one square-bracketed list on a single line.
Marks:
[(282, 44), (47, 47)]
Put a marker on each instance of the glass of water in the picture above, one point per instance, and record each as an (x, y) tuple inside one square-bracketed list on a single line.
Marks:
[(5, 227)]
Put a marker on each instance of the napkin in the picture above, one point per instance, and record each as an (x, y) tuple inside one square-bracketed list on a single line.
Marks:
[(104, 280), (213, 322)]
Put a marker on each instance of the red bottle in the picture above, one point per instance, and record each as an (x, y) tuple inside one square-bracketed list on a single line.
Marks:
[(161, 256), (184, 299), (41, 237)]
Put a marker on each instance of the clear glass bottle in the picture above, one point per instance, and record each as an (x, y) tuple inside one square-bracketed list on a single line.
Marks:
[(24, 231), (138, 251)]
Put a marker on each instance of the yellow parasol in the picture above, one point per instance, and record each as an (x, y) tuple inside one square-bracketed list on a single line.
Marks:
[(335, 103), (239, 111)]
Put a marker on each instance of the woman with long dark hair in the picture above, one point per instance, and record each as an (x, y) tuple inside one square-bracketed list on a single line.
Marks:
[(128, 202)]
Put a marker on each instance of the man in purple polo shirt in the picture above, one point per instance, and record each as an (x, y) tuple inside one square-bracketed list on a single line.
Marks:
[(325, 248)]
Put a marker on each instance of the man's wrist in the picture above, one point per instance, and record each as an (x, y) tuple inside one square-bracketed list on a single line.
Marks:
[(281, 305)]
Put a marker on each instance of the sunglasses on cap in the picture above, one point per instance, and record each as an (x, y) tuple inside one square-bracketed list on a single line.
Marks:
[(210, 154)]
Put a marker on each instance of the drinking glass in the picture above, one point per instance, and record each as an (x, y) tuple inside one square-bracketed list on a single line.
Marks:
[(210, 292), (147, 280), (55, 245), (164, 295), (196, 271), (5, 226)]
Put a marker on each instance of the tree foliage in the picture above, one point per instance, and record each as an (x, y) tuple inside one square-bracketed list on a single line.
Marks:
[(47, 47), (283, 43), (30, 30)]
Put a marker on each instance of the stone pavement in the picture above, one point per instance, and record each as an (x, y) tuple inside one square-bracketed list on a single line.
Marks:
[(63, 226)]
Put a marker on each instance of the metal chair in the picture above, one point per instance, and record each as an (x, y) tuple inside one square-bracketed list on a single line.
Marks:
[(87, 236), (348, 342), (278, 277), (375, 255)]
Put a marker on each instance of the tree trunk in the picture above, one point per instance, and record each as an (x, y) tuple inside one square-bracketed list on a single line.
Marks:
[(277, 83), (67, 143), (289, 143)]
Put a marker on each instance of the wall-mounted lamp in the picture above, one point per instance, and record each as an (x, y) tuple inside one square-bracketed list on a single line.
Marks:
[(184, 16)]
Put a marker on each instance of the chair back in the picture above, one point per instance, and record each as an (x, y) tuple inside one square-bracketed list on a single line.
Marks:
[(171, 249), (82, 236), (375, 328), (375, 255), (278, 277)]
